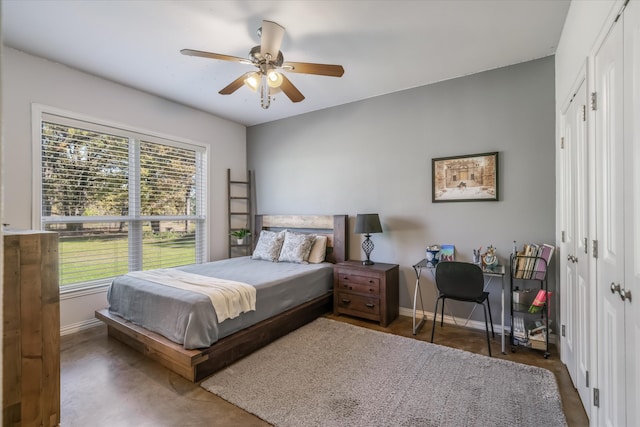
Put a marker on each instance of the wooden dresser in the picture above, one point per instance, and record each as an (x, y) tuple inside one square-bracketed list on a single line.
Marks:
[(367, 291), (31, 316)]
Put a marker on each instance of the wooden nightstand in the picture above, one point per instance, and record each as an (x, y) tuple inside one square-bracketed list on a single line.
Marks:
[(367, 291)]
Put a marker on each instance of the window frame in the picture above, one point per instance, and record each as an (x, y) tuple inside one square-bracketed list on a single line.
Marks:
[(42, 113)]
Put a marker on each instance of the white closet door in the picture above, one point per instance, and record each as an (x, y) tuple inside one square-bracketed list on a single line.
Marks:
[(632, 208), (610, 228), (568, 245), (576, 313), (581, 261), (575, 262)]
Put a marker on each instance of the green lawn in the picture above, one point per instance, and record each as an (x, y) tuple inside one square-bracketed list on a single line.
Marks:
[(93, 258)]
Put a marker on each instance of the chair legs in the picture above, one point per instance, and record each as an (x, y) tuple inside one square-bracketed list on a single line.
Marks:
[(486, 328), (486, 323), (435, 315)]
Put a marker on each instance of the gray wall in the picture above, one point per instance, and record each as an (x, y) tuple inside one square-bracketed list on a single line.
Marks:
[(375, 156), (28, 79)]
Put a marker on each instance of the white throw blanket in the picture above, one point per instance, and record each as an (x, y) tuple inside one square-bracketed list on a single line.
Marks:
[(229, 298)]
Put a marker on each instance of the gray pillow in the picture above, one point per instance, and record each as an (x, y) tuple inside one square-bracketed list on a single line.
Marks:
[(296, 247), (268, 246)]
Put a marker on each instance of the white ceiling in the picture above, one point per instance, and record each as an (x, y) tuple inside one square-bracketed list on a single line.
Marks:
[(384, 46)]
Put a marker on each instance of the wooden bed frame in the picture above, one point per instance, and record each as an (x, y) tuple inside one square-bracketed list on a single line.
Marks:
[(196, 365)]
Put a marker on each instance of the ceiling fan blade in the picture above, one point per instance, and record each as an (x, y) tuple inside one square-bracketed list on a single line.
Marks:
[(290, 90), (309, 68), (234, 85), (271, 39), (191, 52)]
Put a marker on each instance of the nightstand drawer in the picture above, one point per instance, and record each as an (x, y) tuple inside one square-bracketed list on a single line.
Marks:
[(362, 282), (370, 289), (358, 303)]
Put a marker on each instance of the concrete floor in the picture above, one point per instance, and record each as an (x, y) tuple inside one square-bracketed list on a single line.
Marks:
[(105, 383)]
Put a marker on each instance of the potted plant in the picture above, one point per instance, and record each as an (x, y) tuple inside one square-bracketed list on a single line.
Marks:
[(240, 235)]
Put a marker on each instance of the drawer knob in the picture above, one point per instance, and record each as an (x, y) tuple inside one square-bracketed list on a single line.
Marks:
[(369, 305), (346, 301), (370, 281)]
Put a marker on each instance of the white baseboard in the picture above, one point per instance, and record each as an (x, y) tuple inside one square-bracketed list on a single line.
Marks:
[(79, 326), (473, 324)]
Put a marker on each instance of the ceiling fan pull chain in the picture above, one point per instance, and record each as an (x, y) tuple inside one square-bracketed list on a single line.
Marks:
[(265, 99)]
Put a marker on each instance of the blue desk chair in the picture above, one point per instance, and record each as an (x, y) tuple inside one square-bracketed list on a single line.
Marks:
[(461, 281)]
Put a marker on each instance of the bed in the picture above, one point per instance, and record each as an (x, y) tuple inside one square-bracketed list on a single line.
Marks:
[(282, 303)]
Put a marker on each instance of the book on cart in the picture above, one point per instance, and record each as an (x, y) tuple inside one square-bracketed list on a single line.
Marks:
[(545, 252), (540, 301), (532, 261)]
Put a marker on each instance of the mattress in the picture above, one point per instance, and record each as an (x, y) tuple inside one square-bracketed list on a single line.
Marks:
[(188, 318)]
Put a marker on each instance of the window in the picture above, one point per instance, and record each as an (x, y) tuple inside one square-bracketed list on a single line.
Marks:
[(120, 200)]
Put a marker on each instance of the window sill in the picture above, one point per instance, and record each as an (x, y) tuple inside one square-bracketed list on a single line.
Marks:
[(80, 290)]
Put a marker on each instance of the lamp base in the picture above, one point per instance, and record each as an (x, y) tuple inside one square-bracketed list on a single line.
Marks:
[(367, 247)]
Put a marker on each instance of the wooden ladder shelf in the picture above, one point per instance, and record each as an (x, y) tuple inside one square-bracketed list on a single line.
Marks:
[(239, 213)]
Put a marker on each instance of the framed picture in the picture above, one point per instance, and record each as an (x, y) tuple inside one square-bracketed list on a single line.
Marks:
[(447, 253), (469, 178)]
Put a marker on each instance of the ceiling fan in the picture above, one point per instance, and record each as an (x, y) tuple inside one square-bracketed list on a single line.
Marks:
[(268, 58)]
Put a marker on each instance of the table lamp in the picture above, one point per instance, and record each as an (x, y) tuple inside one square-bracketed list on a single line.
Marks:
[(367, 224)]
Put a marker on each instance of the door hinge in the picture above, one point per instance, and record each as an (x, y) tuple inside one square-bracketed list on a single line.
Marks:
[(562, 143), (586, 245), (594, 247), (596, 397), (562, 236), (563, 331), (584, 113), (594, 101), (586, 379)]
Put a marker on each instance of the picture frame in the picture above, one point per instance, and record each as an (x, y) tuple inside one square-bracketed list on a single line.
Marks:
[(447, 253), (467, 178)]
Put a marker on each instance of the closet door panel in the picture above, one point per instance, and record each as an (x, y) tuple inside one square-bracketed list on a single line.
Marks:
[(632, 207), (610, 228), (568, 245), (581, 235)]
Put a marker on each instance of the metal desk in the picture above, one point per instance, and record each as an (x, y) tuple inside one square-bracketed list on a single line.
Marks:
[(497, 271)]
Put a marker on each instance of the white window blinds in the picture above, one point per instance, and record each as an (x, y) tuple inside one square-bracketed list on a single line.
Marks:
[(120, 200)]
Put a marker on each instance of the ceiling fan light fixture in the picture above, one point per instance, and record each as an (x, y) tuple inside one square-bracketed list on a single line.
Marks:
[(274, 79), (253, 81)]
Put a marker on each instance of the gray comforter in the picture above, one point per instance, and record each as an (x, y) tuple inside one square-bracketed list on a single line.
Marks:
[(188, 318)]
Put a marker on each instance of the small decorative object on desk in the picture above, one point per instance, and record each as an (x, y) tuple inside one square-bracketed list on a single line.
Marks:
[(489, 258), (432, 254), (476, 255)]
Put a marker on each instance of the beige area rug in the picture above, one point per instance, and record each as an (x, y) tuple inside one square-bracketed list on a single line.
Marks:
[(330, 373)]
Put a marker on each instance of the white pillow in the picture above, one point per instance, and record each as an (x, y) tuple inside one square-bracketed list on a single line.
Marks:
[(296, 247), (269, 245), (318, 250)]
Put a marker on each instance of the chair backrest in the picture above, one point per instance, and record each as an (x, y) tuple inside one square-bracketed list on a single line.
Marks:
[(459, 279)]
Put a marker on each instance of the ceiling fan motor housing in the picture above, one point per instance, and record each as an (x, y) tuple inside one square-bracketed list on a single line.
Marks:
[(256, 57)]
